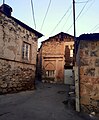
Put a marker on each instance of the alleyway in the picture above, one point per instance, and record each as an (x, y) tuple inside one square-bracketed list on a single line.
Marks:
[(45, 103)]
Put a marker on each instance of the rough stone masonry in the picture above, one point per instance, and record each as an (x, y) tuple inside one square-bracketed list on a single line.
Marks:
[(89, 75), (16, 74)]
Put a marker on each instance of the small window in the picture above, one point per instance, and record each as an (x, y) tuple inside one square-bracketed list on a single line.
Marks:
[(71, 53), (50, 73), (71, 50), (26, 51)]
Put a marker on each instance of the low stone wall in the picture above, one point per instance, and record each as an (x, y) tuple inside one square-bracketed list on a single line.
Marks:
[(16, 76)]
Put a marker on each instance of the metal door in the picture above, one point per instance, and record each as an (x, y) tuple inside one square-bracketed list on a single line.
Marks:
[(68, 76)]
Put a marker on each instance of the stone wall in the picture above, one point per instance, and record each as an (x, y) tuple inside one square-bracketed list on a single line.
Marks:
[(51, 57), (53, 47), (89, 76), (16, 74)]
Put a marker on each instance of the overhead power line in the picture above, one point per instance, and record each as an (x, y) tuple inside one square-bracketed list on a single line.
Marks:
[(88, 7), (95, 28), (83, 1), (66, 20), (79, 14), (82, 9), (61, 19), (33, 14), (45, 15)]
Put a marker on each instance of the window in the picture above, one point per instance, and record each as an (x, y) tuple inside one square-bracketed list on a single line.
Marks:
[(71, 50), (50, 73), (71, 53), (26, 51)]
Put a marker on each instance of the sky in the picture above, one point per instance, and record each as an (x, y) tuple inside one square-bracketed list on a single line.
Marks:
[(59, 16)]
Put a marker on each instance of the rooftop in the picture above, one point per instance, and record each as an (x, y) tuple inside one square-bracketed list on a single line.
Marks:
[(61, 35), (92, 36), (4, 10)]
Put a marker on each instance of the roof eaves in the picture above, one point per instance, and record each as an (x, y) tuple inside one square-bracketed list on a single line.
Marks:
[(89, 37), (25, 26)]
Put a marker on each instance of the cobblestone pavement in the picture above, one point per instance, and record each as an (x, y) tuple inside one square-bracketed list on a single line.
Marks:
[(44, 103)]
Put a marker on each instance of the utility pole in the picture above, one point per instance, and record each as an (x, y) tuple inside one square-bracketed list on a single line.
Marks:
[(3, 1), (76, 71), (74, 19)]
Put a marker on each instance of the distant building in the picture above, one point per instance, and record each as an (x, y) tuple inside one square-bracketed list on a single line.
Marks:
[(54, 56), (18, 51), (88, 71)]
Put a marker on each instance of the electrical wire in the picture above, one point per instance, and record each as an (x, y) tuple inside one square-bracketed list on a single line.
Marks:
[(66, 20), (83, 1), (94, 28), (79, 14), (33, 14), (61, 20), (69, 27), (46, 14), (82, 9), (88, 8)]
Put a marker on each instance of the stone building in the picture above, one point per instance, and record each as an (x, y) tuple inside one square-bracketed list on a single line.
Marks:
[(88, 71), (54, 55), (18, 51)]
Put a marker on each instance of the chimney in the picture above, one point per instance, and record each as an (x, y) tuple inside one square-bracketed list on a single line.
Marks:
[(6, 9)]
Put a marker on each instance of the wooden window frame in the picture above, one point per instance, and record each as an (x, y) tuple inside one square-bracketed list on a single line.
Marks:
[(26, 50)]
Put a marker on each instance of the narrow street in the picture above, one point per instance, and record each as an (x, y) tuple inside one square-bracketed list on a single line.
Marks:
[(44, 103)]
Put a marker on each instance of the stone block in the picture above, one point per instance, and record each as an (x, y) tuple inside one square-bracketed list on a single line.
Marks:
[(95, 81), (93, 53), (85, 100), (81, 53), (4, 85), (83, 45), (19, 88), (97, 62), (93, 45), (9, 89), (84, 62), (14, 85), (93, 103), (4, 90), (86, 52), (90, 72)]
